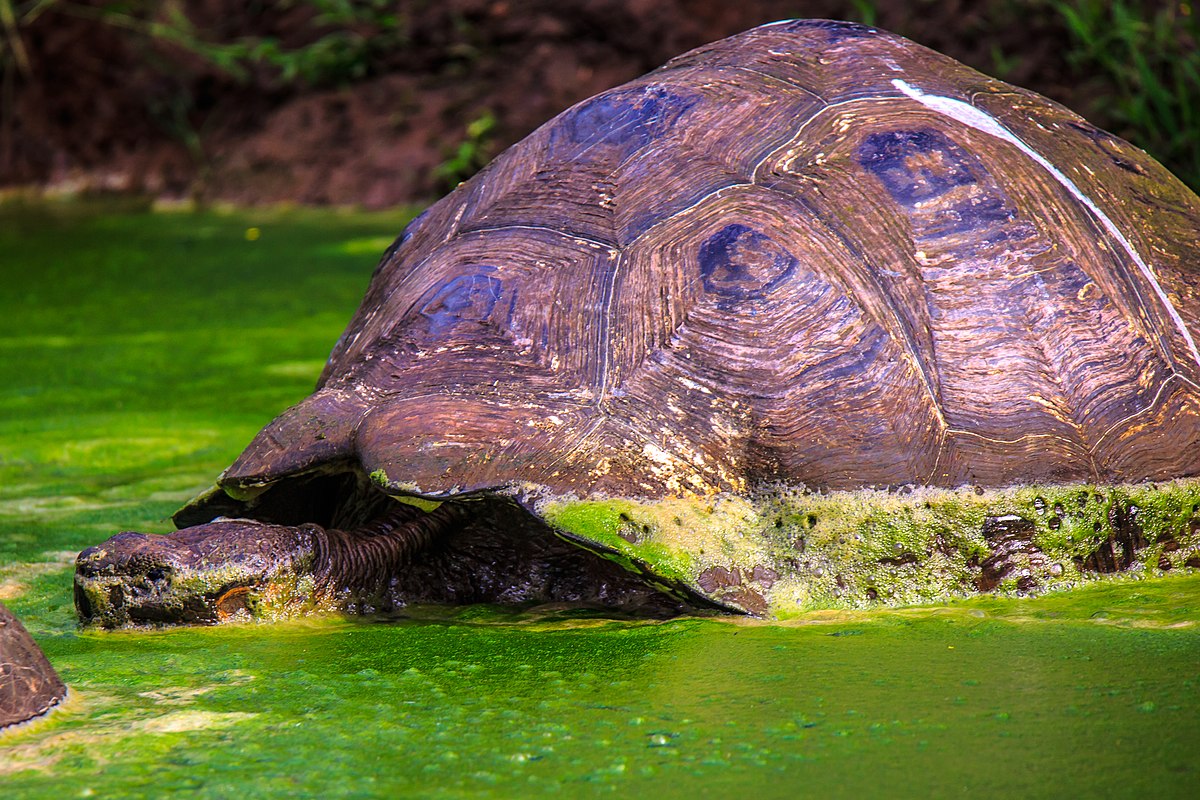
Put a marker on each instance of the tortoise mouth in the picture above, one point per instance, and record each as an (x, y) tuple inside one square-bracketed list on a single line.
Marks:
[(114, 597), (320, 542)]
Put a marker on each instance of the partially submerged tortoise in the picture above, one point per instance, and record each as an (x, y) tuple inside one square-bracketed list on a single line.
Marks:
[(29, 686), (810, 316)]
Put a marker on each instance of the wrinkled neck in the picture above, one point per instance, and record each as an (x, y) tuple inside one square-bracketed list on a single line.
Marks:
[(367, 557)]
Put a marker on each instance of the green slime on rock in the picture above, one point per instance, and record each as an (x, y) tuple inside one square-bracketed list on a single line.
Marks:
[(139, 353)]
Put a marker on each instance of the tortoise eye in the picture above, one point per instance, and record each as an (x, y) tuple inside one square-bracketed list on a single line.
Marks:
[(467, 298), (740, 263)]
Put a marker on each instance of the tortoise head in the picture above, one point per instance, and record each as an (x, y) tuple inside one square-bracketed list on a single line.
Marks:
[(390, 555), (202, 574)]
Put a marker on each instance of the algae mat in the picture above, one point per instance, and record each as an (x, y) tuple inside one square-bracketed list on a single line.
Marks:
[(140, 351)]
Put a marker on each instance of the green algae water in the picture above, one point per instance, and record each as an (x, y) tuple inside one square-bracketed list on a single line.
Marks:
[(140, 351)]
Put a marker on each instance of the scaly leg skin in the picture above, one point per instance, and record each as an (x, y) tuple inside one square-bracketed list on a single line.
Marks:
[(242, 568)]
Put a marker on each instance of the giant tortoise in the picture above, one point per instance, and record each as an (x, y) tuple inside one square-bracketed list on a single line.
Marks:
[(810, 316)]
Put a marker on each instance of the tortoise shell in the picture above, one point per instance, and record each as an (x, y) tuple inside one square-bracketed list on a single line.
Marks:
[(811, 253), (29, 686)]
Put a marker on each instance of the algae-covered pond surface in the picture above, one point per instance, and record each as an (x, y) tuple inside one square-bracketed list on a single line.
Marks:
[(140, 351)]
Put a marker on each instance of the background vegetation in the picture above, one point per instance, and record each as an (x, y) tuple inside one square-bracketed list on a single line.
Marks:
[(377, 102)]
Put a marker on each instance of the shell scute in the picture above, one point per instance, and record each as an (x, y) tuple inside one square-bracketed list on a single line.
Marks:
[(774, 111), (916, 165), (615, 124), (517, 296), (739, 263), (464, 299), (813, 252)]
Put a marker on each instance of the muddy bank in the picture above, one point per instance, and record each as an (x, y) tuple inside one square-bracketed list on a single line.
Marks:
[(278, 102)]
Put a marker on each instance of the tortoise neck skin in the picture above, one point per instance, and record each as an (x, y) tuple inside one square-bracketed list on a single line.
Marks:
[(362, 561)]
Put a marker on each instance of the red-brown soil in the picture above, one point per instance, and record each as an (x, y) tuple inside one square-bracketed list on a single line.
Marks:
[(102, 107)]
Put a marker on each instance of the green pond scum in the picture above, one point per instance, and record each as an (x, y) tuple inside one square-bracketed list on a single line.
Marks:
[(140, 350)]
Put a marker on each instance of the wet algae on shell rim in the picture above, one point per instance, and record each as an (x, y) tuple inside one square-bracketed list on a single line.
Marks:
[(124, 388), (784, 552)]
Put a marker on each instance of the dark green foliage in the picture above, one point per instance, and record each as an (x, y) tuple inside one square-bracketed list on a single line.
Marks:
[(344, 42), (472, 153), (1130, 66), (1145, 65)]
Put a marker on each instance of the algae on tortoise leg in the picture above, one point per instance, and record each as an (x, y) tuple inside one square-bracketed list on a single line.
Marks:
[(781, 552)]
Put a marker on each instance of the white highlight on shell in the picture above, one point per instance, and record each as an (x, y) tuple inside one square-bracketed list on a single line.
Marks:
[(968, 114), (656, 453)]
